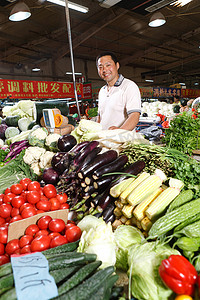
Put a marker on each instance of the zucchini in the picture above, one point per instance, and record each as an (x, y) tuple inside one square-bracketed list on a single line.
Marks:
[(173, 218), (78, 277), (12, 120), (182, 198)]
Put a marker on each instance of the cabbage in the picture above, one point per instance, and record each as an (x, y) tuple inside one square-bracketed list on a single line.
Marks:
[(23, 123), (144, 261), (98, 238), (125, 236), (23, 108), (11, 132)]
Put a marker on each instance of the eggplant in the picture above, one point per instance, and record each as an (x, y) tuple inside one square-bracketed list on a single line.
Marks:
[(90, 157), (50, 176), (133, 169), (113, 166), (83, 153), (60, 162), (96, 200), (99, 161), (66, 142), (108, 212), (103, 182), (110, 219), (75, 150)]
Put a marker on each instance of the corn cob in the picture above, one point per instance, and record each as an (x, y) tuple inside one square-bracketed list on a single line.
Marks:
[(164, 199), (119, 204), (117, 212), (127, 211), (133, 185), (116, 223), (123, 219), (146, 187), (117, 189), (146, 224), (139, 210), (138, 224)]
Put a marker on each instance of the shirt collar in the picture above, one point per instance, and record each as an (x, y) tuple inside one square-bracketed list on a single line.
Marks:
[(118, 82)]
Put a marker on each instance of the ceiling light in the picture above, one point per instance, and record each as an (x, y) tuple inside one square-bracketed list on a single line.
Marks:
[(196, 83), (36, 69), (20, 12), (180, 2), (149, 80), (71, 5), (182, 83), (157, 20), (70, 73)]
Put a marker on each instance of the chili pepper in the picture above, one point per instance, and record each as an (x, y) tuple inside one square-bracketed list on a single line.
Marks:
[(178, 274)]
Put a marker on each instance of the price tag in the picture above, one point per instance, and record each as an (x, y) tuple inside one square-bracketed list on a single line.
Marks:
[(32, 278)]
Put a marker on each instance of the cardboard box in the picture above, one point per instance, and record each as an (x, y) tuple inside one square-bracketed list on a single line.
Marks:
[(17, 229)]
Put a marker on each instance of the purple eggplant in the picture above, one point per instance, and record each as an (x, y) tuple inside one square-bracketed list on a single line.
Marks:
[(75, 150), (108, 212), (84, 152), (103, 182), (60, 162), (50, 176), (66, 142)]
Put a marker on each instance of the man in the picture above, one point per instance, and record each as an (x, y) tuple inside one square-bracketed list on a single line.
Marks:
[(119, 103)]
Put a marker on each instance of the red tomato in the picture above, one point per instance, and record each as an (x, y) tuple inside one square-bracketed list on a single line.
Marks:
[(8, 190), (2, 249), (1, 198), (12, 246), (33, 197), (73, 234), (25, 182), (69, 225), (5, 210), (43, 222), (53, 234), (25, 240), (43, 197), (58, 240), (44, 205), (64, 206), (17, 201), (49, 191), (25, 249), (32, 229), (56, 225), (28, 212), (24, 194), (42, 232), (2, 221), (62, 198), (14, 212), (55, 203), (16, 188), (40, 243), (15, 218), (3, 234), (34, 186), (40, 211), (25, 205), (8, 198), (4, 259)]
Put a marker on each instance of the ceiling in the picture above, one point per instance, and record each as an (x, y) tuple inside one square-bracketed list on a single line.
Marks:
[(167, 54)]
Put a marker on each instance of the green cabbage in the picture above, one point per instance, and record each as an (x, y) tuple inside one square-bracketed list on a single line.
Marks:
[(144, 261), (125, 236), (11, 132), (23, 123)]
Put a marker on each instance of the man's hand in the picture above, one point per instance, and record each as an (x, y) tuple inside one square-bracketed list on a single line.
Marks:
[(113, 127)]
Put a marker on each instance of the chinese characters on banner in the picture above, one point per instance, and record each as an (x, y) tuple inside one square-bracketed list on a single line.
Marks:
[(190, 93), (87, 91), (25, 89), (166, 92)]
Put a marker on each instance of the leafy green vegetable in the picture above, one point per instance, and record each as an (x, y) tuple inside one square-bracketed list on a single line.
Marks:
[(92, 112), (23, 123), (11, 132)]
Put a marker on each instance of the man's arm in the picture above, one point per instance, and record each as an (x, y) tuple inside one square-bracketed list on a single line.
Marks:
[(98, 119), (130, 123)]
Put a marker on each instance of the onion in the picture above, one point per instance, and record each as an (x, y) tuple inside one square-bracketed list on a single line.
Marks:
[(50, 176)]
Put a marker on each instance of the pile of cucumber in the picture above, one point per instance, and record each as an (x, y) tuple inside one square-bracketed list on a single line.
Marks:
[(77, 276)]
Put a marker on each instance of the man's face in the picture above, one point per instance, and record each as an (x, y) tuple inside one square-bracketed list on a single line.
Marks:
[(107, 69)]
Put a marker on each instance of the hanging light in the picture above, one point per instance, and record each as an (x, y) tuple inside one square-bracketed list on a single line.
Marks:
[(36, 69), (20, 12), (71, 5), (180, 2), (157, 20)]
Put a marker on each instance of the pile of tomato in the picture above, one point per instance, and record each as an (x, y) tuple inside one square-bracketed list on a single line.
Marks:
[(24, 200)]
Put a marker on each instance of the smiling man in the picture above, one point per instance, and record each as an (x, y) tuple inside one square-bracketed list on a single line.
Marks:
[(119, 100)]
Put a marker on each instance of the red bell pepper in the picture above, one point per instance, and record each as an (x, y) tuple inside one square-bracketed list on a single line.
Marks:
[(178, 274)]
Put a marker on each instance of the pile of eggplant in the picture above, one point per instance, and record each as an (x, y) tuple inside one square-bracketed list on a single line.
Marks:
[(86, 174)]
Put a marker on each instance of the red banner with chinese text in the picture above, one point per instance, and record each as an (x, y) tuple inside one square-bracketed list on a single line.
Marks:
[(27, 89), (190, 93), (87, 91)]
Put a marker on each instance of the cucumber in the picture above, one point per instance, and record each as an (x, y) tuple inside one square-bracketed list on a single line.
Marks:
[(63, 248), (88, 287), (12, 120), (78, 277), (104, 291), (9, 295), (187, 222), (6, 283), (61, 274), (5, 269)]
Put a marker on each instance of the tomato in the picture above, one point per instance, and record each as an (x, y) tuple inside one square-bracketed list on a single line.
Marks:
[(42, 232), (8, 198), (44, 205), (64, 206), (183, 297), (53, 234), (43, 197), (55, 203), (58, 240), (73, 234), (40, 211), (17, 201), (14, 212), (8, 190), (4, 259), (43, 222), (69, 225), (32, 229), (12, 246), (49, 191), (28, 212), (25, 240), (3, 234), (34, 186), (2, 249), (15, 218), (25, 182), (62, 198), (40, 243), (24, 194), (2, 221), (25, 249), (25, 205), (33, 197), (16, 188), (5, 210), (56, 225)]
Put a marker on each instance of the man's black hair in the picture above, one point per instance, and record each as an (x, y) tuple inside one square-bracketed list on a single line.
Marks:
[(113, 56)]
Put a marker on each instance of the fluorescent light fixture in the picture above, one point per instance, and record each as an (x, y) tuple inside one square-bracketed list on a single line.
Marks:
[(196, 83), (20, 12), (157, 20), (36, 69), (71, 5), (182, 83), (180, 2), (149, 80), (70, 73)]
